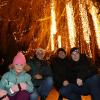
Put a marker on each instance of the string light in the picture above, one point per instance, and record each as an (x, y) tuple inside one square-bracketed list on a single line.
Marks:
[(53, 24), (71, 23), (4, 3), (96, 22), (85, 25), (59, 41), (39, 14)]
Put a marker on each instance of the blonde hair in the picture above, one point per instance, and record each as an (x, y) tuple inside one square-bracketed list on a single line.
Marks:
[(26, 67)]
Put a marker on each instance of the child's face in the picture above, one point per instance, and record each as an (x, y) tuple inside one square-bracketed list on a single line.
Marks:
[(19, 68)]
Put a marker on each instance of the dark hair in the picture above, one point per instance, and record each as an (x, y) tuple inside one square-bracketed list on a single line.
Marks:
[(61, 49)]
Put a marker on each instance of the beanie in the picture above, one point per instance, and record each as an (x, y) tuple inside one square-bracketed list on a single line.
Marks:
[(74, 49), (61, 49), (19, 59)]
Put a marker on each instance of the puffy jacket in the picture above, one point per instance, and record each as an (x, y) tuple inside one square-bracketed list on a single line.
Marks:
[(10, 78), (39, 67)]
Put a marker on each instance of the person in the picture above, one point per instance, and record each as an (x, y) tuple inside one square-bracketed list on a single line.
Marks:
[(16, 81), (84, 78), (60, 71), (3, 95), (41, 74)]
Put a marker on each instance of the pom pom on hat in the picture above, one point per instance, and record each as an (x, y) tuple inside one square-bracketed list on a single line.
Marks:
[(19, 59)]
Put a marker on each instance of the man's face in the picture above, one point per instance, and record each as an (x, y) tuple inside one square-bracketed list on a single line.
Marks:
[(75, 56), (61, 54)]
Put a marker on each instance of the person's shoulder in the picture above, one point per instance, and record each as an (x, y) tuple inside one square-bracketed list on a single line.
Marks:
[(6, 74), (27, 75), (84, 56)]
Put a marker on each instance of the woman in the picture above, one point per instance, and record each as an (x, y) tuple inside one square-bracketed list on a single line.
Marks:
[(41, 74)]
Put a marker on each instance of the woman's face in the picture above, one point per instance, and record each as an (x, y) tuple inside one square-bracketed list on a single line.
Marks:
[(61, 54), (40, 55), (19, 68), (75, 56)]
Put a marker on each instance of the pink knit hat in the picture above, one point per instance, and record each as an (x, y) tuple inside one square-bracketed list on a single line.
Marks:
[(19, 59)]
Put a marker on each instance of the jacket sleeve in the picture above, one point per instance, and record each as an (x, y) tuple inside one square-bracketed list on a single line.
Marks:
[(29, 83), (5, 84), (87, 69)]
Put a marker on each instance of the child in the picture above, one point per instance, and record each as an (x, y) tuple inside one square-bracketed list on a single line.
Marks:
[(16, 81)]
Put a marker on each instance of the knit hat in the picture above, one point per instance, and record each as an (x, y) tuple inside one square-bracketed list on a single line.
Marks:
[(19, 59), (61, 49), (74, 49)]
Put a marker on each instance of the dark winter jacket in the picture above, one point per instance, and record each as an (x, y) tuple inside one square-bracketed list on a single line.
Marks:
[(81, 69), (59, 70), (39, 67)]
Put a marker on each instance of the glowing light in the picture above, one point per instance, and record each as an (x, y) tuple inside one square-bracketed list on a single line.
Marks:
[(85, 25), (53, 18), (4, 3), (53, 24), (71, 23), (96, 22), (59, 41)]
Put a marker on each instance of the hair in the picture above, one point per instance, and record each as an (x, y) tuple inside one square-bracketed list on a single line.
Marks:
[(26, 67), (61, 49)]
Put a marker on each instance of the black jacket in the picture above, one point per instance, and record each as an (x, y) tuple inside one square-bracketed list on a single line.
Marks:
[(59, 70), (81, 69)]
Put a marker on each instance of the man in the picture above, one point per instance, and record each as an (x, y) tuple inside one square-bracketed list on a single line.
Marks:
[(60, 70), (41, 74), (83, 78)]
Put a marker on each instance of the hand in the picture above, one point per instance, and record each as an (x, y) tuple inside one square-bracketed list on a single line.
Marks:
[(38, 76), (15, 88), (79, 82), (6, 98), (2, 92), (65, 83), (23, 86)]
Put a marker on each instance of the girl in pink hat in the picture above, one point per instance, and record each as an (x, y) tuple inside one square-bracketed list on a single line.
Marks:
[(17, 82)]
